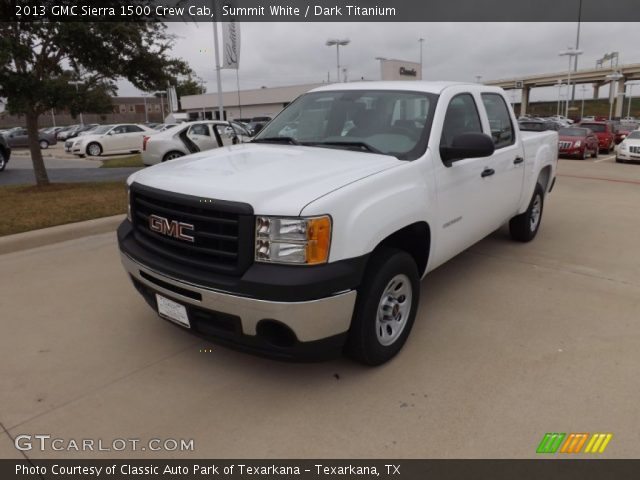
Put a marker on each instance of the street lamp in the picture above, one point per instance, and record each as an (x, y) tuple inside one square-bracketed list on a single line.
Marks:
[(146, 112), (570, 52), (559, 84), (76, 83), (478, 78), (614, 77), (583, 88), (631, 85), (421, 40), (334, 41)]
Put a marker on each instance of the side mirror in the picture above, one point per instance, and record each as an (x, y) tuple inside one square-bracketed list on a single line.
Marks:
[(467, 145)]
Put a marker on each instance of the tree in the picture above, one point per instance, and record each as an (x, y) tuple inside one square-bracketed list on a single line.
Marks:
[(39, 57)]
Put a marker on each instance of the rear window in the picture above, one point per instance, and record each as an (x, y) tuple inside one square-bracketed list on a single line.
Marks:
[(596, 127), (499, 120)]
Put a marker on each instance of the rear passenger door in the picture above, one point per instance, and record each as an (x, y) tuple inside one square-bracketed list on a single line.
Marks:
[(507, 162), (202, 136)]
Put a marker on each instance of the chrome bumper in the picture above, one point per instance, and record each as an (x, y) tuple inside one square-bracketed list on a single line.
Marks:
[(310, 320)]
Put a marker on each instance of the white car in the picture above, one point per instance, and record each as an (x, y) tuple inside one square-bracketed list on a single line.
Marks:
[(120, 138), (184, 139), (629, 148)]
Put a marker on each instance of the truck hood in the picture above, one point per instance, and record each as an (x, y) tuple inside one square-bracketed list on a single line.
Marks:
[(274, 179)]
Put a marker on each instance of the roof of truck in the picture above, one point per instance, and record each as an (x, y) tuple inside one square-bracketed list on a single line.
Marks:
[(412, 85)]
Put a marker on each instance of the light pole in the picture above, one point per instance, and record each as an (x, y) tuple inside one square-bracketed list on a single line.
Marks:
[(421, 40), (570, 52), (559, 85), (334, 41), (146, 111), (583, 88), (614, 77), (478, 78), (630, 84), (76, 83)]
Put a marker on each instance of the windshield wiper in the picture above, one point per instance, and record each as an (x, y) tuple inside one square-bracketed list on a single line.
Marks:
[(289, 140), (361, 145)]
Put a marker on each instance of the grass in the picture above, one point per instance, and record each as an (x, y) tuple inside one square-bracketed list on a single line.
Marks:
[(29, 208), (130, 161)]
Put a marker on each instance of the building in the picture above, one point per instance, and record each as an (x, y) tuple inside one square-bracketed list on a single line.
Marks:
[(259, 102), (125, 110), (391, 69)]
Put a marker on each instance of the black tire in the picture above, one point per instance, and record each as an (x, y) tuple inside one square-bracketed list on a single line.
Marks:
[(172, 155), (91, 147), (619, 160), (594, 154), (522, 227), (3, 160), (583, 156), (43, 144), (363, 343)]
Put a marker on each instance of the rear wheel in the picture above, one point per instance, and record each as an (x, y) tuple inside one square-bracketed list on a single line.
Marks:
[(3, 161), (524, 227), (43, 144), (172, 156), (594, 154), (386, 307)]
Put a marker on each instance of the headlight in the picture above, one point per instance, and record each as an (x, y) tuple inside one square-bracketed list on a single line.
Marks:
[(129, 204), (301, 241), (577, 144)]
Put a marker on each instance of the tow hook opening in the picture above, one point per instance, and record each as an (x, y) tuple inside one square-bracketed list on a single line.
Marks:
[(276, 333)]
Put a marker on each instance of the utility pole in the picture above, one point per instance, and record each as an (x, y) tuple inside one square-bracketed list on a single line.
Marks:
[(421, 40), (218, 78), (575, 65)]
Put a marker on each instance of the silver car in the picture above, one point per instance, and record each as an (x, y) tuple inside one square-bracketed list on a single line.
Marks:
[(184, 139)]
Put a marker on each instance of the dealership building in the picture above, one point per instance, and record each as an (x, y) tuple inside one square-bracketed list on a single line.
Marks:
[(268, 102)]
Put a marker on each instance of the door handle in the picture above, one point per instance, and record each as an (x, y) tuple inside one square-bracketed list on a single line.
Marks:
[(487, 172), (518, 161)]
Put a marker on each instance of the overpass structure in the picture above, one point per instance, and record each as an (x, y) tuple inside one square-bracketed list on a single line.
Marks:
[(595, 76)]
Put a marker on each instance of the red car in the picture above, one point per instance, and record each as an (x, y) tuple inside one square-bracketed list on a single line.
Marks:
[(622, 130), (605, 134), (577, 142)]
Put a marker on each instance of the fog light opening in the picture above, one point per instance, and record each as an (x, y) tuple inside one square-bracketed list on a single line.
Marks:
[(276, 333)]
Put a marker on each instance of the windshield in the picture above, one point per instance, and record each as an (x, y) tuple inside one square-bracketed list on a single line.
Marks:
[(573, 132), (634, 135), (596, 127), (102, 129), (389, 122)]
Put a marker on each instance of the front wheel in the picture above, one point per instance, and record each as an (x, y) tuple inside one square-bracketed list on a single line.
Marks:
[(94, 149), (386, 307), (524, 227), (43, 144)]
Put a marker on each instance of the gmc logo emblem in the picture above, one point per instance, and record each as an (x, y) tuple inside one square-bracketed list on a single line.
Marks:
[(171, 228)]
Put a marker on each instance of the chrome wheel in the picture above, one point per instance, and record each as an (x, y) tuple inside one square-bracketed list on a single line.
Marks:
[(44, 144), (536, 211), (2, 161), (172, 156), (393, 309), (94, 150)]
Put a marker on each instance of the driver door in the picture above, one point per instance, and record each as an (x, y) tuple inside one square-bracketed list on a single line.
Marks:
[(117, 139)]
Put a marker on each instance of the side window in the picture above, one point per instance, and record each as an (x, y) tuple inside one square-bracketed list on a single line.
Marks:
[(133, 129), (199, 129), (499, 120), (120, 129), (461, 117)]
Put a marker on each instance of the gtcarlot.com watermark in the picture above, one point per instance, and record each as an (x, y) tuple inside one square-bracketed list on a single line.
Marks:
[(44, 442)]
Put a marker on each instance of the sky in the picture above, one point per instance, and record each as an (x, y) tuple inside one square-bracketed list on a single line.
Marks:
[(276, 54)]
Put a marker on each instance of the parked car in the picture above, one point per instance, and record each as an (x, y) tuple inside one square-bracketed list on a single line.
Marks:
[(537, 125), (120, 138), (18, 138), (312, 245), (183, 139), (562, 120), (64, 133), (256, 124), (629, 149), (577, 142), (80, 129), (238, 130), (5, 153), (622, 129), (161, 127), (53, 130), (604, 132)]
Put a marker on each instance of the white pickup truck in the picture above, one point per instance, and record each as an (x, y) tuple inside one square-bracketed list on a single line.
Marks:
[(312, 239)]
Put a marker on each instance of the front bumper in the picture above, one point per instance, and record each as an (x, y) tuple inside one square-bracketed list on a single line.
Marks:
[(571, 152), (262, 322), (628, 156)]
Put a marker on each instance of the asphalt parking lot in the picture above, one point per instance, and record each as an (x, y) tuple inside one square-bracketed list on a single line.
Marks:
[(511, 341), (61, 167)]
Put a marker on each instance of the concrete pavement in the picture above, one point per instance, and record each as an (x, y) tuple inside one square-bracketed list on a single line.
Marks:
[(511, 341)]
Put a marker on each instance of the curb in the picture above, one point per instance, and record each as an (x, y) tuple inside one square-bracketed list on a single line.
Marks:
[(59, 233)]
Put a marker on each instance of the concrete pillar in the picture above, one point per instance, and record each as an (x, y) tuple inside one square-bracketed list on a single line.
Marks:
[(524, 104), (596, 91), (619, 98)]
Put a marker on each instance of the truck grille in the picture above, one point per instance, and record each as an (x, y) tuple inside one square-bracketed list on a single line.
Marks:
[(634, 149), (222, 231), (565, 145)]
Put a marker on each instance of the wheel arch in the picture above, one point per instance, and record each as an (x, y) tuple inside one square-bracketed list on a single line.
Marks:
[(415, 239)]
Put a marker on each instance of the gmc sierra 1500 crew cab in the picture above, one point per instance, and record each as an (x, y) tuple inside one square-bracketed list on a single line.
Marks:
[(312, 239)]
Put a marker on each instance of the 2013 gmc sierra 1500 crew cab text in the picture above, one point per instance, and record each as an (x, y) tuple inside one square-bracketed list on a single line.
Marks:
[(312, 239)]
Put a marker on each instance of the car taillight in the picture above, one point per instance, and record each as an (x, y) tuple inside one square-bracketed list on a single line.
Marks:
[(145, 139)]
